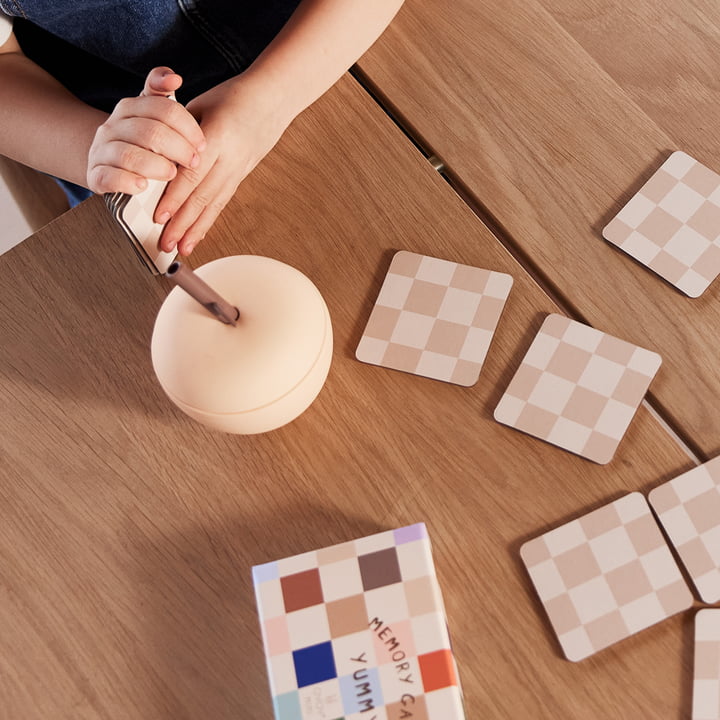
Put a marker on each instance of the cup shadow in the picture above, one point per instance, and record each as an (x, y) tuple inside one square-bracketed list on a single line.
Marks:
[(196, 599)]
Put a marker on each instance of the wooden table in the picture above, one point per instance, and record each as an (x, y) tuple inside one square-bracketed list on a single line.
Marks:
[(548, 116), (127, 531)]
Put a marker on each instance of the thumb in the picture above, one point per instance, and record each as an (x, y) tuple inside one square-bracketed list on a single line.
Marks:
[(161, 81)]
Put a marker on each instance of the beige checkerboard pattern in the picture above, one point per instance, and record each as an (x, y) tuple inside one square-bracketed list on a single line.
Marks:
[(578, 388), (605, 576), (689, 509), (672, 225), (706, 675), (434, 318)]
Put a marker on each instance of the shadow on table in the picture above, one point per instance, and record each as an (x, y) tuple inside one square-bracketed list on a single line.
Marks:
[(77, 314), (196, 599)]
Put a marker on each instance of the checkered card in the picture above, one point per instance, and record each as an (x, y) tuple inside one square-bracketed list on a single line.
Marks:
[(605, 576), (358, 631), (578, 388), (673, 224), (135, 214), (689, 509), (706, 673), (434, 318)]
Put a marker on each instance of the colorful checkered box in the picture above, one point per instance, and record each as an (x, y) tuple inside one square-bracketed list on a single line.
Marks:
[(434, 318), (358, 631), (672, 225), (706, 671), (578, 388), (688, 507), (605, 576)]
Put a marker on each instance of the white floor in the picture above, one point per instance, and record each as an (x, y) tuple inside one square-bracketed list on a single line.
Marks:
[(13, 226)]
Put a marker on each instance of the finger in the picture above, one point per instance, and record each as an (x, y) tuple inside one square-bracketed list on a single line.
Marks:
[(161, 81), (158, 138), (162, 110), (197, 231), (184, 201), (105, 179), (175, 197), (135, 159), (198, 212)]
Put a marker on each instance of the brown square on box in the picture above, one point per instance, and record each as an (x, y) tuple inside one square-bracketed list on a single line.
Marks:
[(301, 590), (379, 569), (347, 616)]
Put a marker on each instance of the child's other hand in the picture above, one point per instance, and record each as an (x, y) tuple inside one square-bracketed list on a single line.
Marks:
[(144, 137), (242, 121)]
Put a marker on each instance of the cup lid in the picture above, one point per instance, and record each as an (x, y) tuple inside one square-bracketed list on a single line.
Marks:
[(279, 337)]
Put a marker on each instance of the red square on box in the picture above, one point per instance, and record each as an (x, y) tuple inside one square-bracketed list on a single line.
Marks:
[(437, 670)]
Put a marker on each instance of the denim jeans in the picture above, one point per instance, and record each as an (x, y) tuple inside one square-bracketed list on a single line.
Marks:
[(102, 50)]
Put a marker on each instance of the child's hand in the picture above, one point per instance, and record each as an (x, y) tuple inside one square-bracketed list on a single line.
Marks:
[(242, 122), (144, 137)]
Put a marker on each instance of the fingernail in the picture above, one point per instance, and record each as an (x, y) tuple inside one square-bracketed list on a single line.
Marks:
[(195, 161), (141, 183), (163, 218), (202, 146)]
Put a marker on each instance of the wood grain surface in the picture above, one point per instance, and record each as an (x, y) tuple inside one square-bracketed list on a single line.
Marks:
[(37, 196), (666, 57), (551, 115), (127, 531)]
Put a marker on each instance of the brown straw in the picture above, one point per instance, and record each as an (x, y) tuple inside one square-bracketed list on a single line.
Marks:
[(198, 289)]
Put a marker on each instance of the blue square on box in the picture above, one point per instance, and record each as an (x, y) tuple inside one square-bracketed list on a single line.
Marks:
[(314, 664)]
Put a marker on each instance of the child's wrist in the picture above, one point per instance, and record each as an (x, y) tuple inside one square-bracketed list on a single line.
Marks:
[(276, 96)]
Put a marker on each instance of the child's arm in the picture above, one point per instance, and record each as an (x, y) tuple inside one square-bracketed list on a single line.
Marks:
[(40, 119), (46, 127), (244, 117), (320, 42)]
